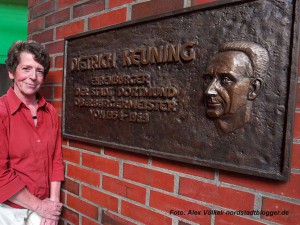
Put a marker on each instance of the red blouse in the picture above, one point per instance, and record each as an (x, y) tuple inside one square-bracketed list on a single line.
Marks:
[(29, 155)]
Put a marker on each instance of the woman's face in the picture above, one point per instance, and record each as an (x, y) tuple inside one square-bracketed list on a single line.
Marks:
[(28, 77)]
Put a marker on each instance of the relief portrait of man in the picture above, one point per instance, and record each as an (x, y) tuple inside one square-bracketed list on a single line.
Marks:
[(233, 79)]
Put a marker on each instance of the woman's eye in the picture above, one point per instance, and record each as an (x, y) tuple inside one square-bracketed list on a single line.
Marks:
[(40, 72), (26, 69)]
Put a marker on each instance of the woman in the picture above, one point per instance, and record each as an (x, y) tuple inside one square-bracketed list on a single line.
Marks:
[(31, 167)]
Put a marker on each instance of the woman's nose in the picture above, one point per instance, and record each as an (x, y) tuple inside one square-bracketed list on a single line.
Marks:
[(33, 74)]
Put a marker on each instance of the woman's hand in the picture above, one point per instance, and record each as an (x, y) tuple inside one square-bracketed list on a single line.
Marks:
[(48, 222), (49, 209)]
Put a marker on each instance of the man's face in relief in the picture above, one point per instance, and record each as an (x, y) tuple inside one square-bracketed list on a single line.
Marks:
[(226, 84)]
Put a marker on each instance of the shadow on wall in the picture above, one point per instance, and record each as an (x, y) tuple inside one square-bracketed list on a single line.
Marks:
[(4, 80)]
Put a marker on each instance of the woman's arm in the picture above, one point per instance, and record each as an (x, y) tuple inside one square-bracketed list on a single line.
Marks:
[(45, 208), (55, 191)]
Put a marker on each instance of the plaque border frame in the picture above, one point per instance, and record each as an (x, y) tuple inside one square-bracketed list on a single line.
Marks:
[(290, 111)]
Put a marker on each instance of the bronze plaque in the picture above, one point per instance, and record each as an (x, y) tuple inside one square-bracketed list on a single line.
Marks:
[(213, 85)]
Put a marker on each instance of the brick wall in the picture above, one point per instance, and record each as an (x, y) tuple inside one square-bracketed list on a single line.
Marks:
[(109, 186)]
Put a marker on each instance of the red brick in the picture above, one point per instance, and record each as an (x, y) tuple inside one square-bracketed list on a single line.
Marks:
[(59, 62), (64, 141), (71, 155), (232, 220), (35, 25), (70, 29), (52, 62), (71, 186), (70, 215), (29, 15), (62, 196), (42, 9), (87, 8), (111, 219), (275, 187), (83, 207), (58, 91), (46, 92), (124, 189), (65, 3), (86, 221), (85, 146), (155, 7), (299, 64), (199, 2), (297, 126), (107, 19), (84, 175), (114, 3), (184, 168), (100, 198), (34, 2), (44, 36), (102, 164), (210, 193), (55, 47), (168, 203), (57, 17), (293, 210), (296, 156), (133, 157), (54, 77), (298, 91), (149, 177), (144, 215)]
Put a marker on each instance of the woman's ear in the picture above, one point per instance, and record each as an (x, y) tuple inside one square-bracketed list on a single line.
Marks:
[(254, 88), (11, 76)]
